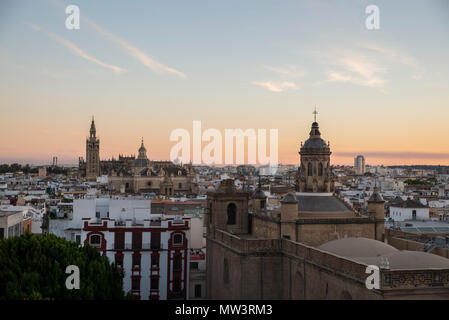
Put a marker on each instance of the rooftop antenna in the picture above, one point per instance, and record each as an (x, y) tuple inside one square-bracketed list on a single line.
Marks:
[(315, 113)]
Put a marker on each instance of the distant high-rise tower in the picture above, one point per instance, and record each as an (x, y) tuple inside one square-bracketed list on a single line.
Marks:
[(92, 153), (359, 165)]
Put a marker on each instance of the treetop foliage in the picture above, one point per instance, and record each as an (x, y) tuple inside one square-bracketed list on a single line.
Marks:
[(32, 267)]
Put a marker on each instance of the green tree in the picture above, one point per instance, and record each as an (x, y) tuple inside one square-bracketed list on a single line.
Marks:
[(32, 267)]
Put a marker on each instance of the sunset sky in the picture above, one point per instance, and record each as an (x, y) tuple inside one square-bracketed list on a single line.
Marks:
[(145, 68)]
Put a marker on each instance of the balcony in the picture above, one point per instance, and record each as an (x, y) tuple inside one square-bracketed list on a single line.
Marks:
[(144, 246)]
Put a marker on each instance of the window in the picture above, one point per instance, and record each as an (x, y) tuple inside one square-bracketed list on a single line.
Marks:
[(262, 204), (135, 284), (414, 214), (177, 239), (154, 283), (119, 242), (320, 169), (95, 240), (155, 261), (136, 260), (17, 230), (149, 183), (177, 284), (309, 169), (119, 261), (2, 233), (231, 213), (97, 214), (197, 291), (137, 240), (180, 185), (78, 238), (436, 277), (194, 265), (155, 240), (177, 263)]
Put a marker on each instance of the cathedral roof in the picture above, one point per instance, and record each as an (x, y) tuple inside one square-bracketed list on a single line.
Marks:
[(321, 203), (139, 162)]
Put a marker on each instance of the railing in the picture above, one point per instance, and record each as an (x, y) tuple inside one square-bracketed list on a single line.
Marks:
[(143, 246)]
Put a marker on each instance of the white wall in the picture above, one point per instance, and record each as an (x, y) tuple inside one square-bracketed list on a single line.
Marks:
[(402, 214)]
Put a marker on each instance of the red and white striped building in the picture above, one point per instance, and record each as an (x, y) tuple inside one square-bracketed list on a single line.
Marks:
[(152, 250)]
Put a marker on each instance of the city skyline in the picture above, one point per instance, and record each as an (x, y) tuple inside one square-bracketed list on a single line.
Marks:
[(148, 68)]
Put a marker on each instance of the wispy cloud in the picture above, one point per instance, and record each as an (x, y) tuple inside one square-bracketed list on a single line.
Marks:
[(135, 52), (366, 64), (392, 53), (396, 55), (275, 86), (356, 68), (290, 71), (76, 50)]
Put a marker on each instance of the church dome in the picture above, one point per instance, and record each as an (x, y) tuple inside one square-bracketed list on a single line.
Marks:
[(142, 160), (315, 141), (357, 247)]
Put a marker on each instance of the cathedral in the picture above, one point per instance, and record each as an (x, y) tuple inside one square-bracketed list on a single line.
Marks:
[(130, 174), (315, 246)]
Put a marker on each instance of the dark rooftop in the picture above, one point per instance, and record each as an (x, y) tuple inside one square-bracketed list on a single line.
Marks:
[(320, 204)]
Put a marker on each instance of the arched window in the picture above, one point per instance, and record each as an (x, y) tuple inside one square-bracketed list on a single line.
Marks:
[(95, 240), (177, 239), (309, 169), (232, 210), (320, 169)]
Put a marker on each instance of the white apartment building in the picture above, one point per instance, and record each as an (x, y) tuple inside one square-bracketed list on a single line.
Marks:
[(409, 210), (153, 250)]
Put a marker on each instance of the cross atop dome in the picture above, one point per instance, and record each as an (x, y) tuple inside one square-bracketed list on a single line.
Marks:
[(315, 113)]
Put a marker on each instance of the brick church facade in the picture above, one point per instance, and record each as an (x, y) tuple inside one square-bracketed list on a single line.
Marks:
[(314, 247)]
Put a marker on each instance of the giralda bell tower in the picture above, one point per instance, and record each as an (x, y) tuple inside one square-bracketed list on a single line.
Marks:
[(92, 153)]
